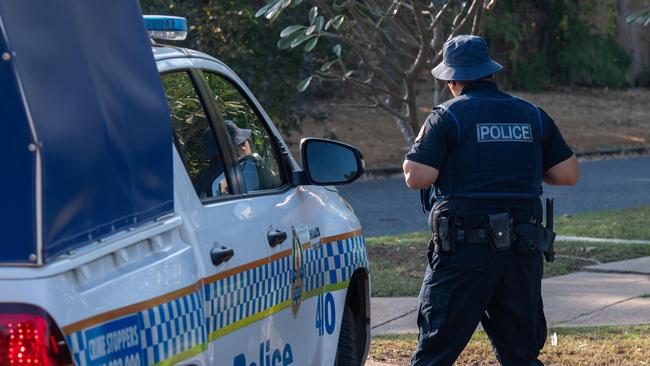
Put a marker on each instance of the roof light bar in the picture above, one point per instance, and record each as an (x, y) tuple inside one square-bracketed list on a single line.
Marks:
[(166, 27)]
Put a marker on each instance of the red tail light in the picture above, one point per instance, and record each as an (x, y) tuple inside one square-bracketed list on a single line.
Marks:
[(28, 336)]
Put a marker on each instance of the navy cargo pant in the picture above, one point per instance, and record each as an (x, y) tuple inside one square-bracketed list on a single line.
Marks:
[(502, 290)]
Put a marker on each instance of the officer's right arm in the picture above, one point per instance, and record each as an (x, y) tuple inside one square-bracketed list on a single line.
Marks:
[(565, 173), (427, 155), (560, 163), (419, 176)]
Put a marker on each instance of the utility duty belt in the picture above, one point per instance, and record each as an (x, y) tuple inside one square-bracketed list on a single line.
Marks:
[(499, 230)]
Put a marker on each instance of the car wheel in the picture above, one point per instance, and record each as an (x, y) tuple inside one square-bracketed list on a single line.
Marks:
[(348, 352)]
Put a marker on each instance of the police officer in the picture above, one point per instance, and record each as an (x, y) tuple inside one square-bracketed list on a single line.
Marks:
[(486, 154)]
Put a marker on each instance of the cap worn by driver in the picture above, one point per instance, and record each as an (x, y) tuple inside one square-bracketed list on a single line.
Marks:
[(238, 135), (465, 58)]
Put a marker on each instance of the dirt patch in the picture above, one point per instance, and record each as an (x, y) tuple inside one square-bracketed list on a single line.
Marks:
[(597, 346), (590, 119)]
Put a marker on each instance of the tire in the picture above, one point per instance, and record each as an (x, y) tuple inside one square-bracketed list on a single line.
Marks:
[(348, 352)]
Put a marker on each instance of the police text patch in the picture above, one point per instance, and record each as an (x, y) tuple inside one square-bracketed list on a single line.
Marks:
[(504, 132)]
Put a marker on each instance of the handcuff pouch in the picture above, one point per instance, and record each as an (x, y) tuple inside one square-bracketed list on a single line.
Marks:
[(500, 231)]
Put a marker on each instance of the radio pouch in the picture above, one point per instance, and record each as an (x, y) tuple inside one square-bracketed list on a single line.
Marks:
[(500, 231)]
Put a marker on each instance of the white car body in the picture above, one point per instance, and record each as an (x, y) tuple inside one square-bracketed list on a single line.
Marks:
[(151, 295)]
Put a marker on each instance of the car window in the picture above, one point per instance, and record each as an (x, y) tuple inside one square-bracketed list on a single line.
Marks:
[(256, 150), (194, 137)]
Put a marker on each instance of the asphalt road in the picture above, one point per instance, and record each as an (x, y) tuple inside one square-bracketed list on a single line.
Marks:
[(387, 207)]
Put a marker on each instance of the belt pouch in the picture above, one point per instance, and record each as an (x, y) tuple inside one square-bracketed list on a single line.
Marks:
[(500, 231), (528, 238), (442, 238), (547, 239)]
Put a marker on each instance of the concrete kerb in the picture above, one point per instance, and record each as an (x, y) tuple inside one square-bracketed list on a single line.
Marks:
[(585, 239)]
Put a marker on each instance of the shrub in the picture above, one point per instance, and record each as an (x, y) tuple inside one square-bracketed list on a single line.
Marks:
[(544, 42)]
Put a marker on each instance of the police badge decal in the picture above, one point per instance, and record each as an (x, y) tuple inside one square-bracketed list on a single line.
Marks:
[(297, 273)]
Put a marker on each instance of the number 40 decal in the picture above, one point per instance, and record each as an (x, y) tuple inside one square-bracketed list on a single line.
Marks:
[(325, 314)]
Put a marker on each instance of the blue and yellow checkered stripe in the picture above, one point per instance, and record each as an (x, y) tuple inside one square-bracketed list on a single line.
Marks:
[(181, 327), (172, 328), (164, 330)]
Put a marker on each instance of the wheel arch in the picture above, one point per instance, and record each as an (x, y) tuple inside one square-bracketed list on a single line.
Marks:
[(358, 297)]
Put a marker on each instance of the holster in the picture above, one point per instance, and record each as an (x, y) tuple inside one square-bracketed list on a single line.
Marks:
[(528, 238), (533, 237)]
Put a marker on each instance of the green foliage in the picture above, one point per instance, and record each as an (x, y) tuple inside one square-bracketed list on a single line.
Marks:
[(234, 107), (591, 60), (228, 30), (531, 74), (640, 17), (582, 56), (189, 121), (304, 84), (552, 42), (297, 35)]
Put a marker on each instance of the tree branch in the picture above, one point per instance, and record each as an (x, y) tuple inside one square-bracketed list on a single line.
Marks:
[(329, 76), (386, 79), (380, 104), (354, 105), (364, 31), (471, 10), (322, 5), (439, 15), (458, 22), (403, 22), (477, 21), (425, 37)]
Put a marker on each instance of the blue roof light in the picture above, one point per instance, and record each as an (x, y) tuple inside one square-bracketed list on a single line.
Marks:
[(166, 27)]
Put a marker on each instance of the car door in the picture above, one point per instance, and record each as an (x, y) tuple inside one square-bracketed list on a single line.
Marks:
[(218, 220), (296, 220)]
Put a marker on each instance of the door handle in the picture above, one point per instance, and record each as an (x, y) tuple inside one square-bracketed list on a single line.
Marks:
[(276, 237), (220, 255)]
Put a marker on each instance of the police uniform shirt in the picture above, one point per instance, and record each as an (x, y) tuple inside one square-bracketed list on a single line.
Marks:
[(440, 134)]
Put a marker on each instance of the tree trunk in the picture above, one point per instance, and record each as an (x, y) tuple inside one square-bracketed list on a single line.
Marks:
[(404, 125), (406, 130), (437, 93)]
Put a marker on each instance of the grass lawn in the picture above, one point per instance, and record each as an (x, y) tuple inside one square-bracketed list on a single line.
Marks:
[(594, 346), (627, 223), (398, 262)]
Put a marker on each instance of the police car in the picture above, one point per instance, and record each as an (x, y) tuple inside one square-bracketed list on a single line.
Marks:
[(136, 239)]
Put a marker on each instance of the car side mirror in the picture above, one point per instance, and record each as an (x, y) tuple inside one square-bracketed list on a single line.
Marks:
[(328, 162)]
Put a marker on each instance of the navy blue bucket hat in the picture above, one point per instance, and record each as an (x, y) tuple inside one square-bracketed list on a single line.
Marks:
[(238, 135), (465, 58)]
